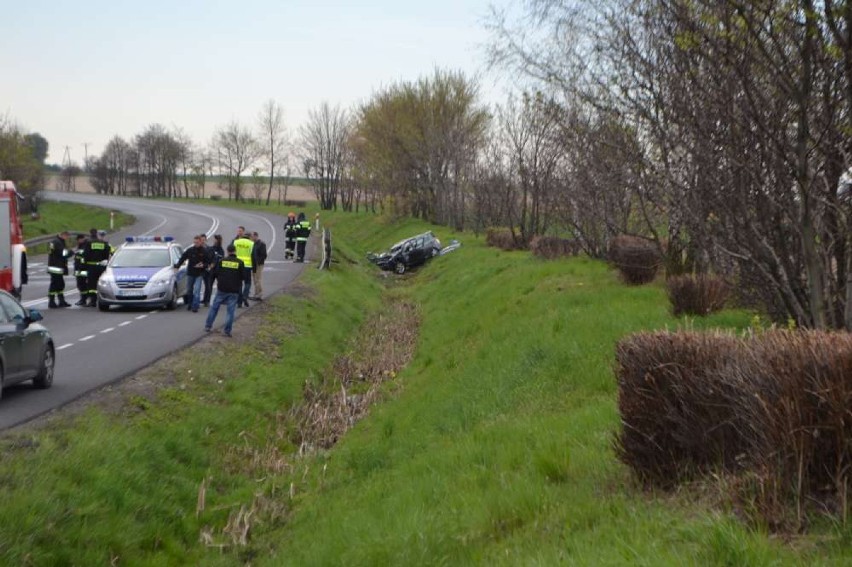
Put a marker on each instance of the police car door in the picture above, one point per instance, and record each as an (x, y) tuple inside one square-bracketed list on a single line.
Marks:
[(180, 273)]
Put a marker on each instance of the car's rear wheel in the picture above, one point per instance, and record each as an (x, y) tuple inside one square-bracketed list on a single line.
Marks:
[(172, 304), (399, 268), (44, 378)]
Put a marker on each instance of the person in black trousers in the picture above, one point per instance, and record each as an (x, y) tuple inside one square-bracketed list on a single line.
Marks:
[(57, 267)]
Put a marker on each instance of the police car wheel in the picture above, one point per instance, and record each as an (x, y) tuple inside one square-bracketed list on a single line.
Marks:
[(44, 378), (102, 306), (172, 304)]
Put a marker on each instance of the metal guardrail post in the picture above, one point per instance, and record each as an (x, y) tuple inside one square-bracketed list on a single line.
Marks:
[(326, 250)]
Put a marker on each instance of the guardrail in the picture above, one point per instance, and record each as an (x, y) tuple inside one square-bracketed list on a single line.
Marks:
[(45, 238)]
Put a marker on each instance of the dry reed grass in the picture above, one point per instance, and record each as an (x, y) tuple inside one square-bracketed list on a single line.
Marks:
[(637, 259), (773, 410), (699, 294)]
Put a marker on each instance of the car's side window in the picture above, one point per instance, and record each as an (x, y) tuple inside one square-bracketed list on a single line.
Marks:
[(12, 311), (176, 252)]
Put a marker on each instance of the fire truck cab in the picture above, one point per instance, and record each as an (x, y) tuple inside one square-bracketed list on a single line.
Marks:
[(12, 251)]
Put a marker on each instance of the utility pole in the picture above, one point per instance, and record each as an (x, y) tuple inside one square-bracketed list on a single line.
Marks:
[(86, 154)]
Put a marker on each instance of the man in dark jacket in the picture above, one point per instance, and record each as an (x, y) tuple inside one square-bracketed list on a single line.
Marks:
[(258, 260), (57, 267), (198, 259), (229, 286), (303, 231), (96, 256)]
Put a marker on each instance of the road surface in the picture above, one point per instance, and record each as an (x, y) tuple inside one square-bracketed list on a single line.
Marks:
[(95, 348)]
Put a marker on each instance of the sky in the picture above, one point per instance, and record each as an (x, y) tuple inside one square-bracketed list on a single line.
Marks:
[(81, 72)]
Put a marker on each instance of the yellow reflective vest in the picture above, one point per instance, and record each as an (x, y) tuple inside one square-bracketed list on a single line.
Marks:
[(244, 248)]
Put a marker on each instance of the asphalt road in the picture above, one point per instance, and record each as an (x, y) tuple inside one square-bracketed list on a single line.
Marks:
[(95, 348)]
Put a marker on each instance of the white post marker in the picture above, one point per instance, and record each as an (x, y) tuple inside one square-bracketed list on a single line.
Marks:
[(112, 220), (316, 223)]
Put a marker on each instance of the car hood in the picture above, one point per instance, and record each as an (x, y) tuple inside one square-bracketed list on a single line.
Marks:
[(138, 274)]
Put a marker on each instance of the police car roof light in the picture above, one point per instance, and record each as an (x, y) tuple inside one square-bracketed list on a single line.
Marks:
[(148, 238)]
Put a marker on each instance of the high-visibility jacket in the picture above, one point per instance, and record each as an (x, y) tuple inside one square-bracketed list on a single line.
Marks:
[(57, 257), (304, 231), (244, 248), (79, 263)]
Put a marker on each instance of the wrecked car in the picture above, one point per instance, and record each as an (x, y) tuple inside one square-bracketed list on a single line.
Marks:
[(408, 253)]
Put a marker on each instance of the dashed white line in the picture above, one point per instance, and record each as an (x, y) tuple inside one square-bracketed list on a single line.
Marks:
[(152, 312), (141, 316), (124, 323), (63, 347), (108, 330), (86, 338)]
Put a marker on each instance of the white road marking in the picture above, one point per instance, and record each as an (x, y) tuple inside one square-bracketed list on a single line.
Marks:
[(108, 330), (152, 312), (124, 323), (63, 347), (141, 316), (83, 339)]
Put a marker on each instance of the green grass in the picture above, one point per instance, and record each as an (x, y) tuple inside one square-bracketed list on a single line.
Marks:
[(492, 447), (55, 216)]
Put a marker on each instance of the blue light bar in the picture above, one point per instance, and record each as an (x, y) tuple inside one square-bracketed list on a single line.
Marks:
[(148, 238)]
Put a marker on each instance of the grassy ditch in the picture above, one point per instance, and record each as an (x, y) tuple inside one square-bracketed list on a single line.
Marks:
[(310, 442)]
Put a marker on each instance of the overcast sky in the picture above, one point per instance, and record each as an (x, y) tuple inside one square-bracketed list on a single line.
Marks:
[(84, 71)]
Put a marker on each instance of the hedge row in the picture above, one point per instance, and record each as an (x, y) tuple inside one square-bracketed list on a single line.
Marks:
[(773, 410)]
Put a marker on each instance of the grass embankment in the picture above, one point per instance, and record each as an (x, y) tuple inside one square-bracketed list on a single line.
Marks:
[(493, 446), (55, 216)]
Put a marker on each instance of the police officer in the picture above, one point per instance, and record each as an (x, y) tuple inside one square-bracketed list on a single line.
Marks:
[(96, 256), (290, 229), (303, 231), (80, 270), (244, 249), (57, 267), (229, 273)]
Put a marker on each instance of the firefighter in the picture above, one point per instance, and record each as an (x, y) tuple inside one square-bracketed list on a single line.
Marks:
[(245, 251), (57, 267), (290, 229), (96, 256), (80, 270), (302, 233)]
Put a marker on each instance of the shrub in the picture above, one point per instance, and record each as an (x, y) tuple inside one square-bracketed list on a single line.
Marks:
[(503, 239), (637, 259), (552, 247), (696, 294), (770, 409), (674, 404)]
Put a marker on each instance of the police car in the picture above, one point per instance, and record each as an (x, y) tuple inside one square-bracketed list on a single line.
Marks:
[(141, 274)]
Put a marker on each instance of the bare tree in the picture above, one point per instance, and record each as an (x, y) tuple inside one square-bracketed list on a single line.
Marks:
[(273, 138), (323, 141), (237, 151)]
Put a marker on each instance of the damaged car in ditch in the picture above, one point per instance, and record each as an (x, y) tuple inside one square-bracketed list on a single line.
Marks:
[(409, 253)]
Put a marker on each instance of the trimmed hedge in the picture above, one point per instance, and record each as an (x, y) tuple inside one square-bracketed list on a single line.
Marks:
[(700, 294), (774, 410), (637, 259), (552, 247), (503, 239)]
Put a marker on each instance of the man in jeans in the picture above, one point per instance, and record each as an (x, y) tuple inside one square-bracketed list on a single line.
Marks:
[(258, 260), (197, 257), (229, 277)]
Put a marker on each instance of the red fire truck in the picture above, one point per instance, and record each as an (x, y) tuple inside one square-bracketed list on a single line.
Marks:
[(13, 255)]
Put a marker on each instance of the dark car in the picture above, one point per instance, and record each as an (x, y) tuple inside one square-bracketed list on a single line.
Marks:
[(26, 347), (408, 253)]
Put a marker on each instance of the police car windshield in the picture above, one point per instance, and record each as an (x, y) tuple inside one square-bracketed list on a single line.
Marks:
[(141, 258)]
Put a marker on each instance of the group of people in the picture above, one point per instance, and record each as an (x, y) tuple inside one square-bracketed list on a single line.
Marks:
[(234, 269), (90, 260)]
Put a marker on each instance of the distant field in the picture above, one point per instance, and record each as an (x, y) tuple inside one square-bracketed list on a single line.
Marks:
[(297, 191)]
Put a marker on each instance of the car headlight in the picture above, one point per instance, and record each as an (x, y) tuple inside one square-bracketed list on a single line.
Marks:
[(160, 282), (105, 281)]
